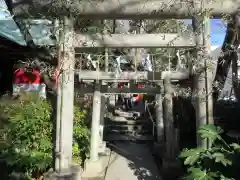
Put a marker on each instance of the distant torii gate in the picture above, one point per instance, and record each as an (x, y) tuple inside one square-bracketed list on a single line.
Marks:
[(124, 9), (99, 77)]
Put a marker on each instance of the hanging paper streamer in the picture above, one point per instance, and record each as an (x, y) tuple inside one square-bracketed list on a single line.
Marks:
[(146, 62), (90, 61), (118, 64)]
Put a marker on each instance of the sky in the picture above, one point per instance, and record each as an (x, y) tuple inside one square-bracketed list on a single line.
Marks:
[(218, 31), (218, 28)]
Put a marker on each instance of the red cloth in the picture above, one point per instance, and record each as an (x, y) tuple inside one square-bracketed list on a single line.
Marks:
[(20, 76), (121, 85), (139, 97), (139, 86)]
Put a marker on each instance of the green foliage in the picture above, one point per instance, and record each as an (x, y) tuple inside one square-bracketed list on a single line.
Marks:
[(26, 136), (210, 132), (81, 136), (210, 163)]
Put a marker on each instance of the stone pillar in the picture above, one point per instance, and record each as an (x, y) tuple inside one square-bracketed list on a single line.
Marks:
[(65, 108), (96, 118), (209, 72), (170, 132), (170, 159), (67, 62), (159, 145), (200, 78), (56, 111), (93, 167), (102, 144), (159, 118)]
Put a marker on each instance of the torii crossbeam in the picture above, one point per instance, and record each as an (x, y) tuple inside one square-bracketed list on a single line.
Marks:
[(123, 9)]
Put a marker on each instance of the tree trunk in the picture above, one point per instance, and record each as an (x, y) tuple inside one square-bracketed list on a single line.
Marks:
[(230, 45)]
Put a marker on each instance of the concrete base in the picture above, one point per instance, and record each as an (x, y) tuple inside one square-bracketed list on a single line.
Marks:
[(74, 174), (103, 150), (93, 169), (102, 147)]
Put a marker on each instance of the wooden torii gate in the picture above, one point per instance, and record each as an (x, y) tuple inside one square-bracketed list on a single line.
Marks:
[(123, 9)]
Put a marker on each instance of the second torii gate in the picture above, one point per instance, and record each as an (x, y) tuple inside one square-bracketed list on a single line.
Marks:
[(98, 88)]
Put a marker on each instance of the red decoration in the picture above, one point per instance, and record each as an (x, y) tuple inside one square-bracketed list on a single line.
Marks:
[(55, 76), (20, 76)]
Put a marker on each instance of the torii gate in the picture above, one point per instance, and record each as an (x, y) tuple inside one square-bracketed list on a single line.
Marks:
[(123, 9)]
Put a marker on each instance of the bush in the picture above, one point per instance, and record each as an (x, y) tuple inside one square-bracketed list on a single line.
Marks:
[(81, 136), (216, 162), (26, 131)]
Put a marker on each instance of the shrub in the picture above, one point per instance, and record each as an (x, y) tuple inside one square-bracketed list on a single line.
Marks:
[(215, 162), (26, 131), (81, 136)]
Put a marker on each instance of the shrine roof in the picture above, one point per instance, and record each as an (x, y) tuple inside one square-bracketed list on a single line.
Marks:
[(40, 30)]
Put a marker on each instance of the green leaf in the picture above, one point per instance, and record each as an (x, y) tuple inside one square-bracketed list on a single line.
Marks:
[(198, 174), (235, 146), (220, 158), (210, 132), (191, 155), (225, 178)]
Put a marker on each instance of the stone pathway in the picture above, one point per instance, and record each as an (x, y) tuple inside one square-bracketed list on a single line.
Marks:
[(131, 161)]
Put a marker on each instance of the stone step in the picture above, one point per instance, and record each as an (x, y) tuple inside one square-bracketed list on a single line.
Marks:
[(121, 131), (117, 118), (123, 121), (127, 137), (128, 127), (129, 114)]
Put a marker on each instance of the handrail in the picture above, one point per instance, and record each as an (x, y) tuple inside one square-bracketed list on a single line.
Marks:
[(151, 117)]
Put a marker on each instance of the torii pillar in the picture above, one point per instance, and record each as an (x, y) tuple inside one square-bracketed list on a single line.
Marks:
[(159, 117), (64, 169), (93, 166), (67, 62), (203, 80)]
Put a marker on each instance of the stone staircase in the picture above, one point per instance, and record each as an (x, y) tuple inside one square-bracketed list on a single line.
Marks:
[(128, 126)]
